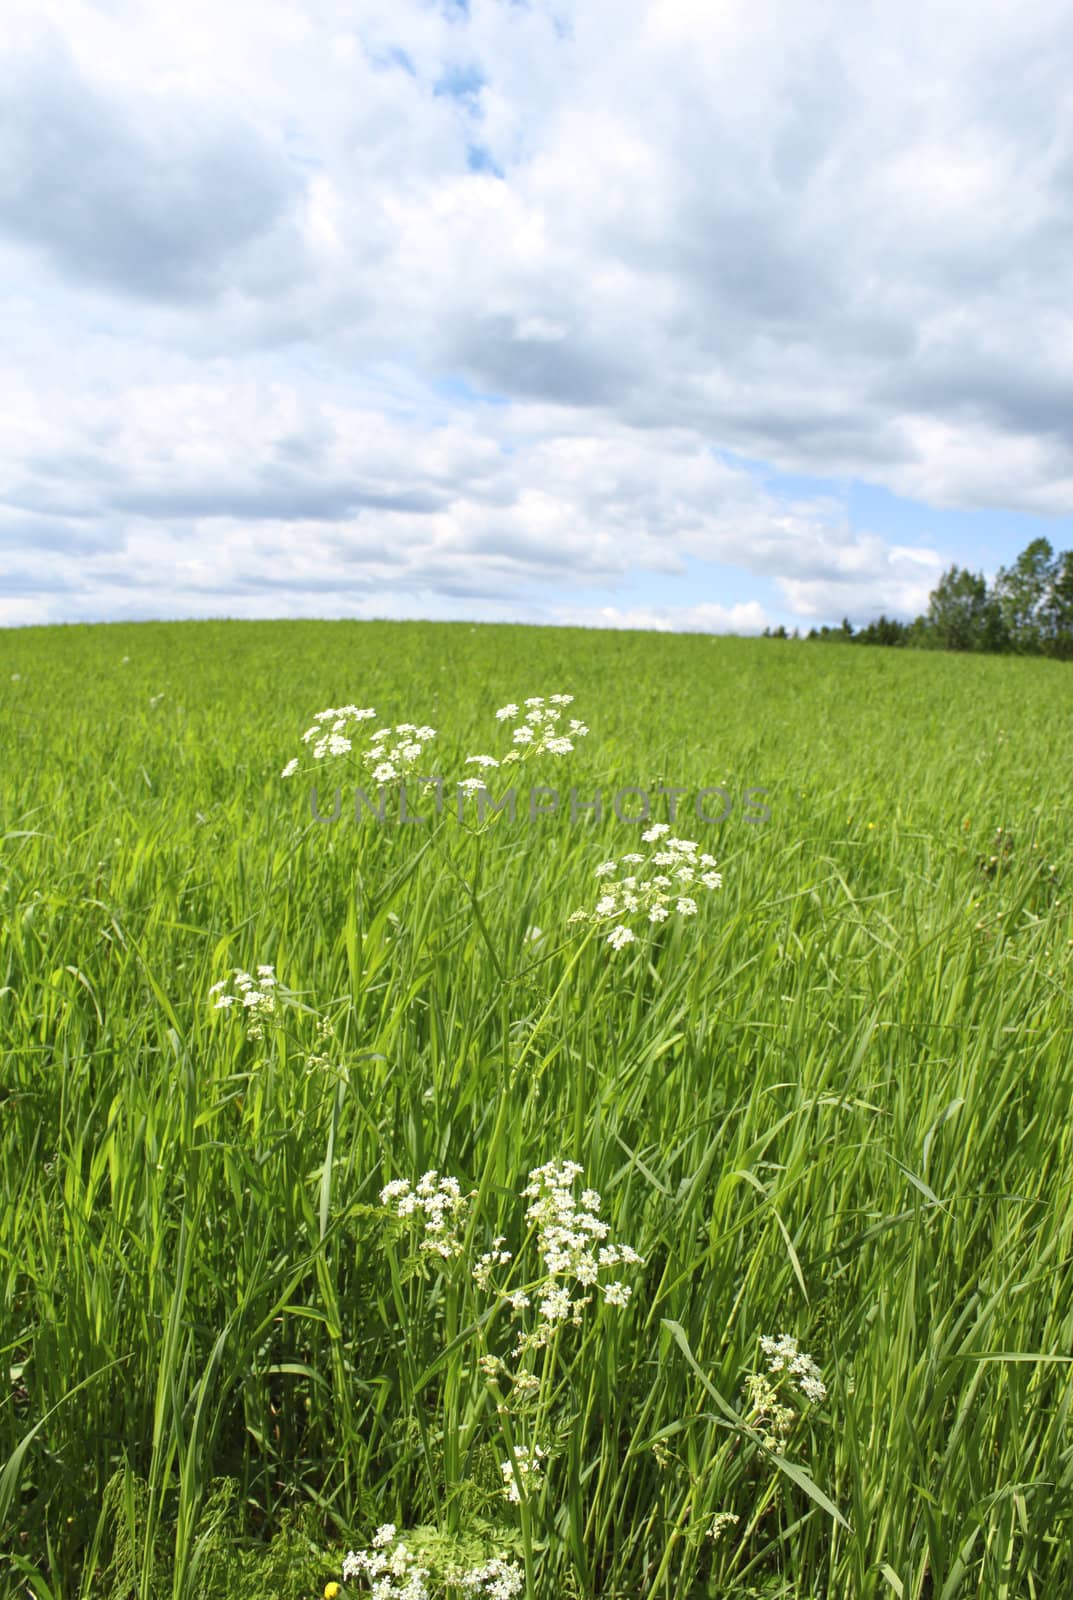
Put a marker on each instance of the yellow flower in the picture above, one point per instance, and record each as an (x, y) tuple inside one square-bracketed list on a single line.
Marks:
[(330, 1591)]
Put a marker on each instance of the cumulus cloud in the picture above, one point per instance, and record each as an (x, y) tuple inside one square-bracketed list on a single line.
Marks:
[(704, 618), (496, 309), (156, 196)]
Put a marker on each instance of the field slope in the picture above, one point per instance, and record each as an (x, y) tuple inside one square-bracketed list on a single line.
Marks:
[(833, 1104)]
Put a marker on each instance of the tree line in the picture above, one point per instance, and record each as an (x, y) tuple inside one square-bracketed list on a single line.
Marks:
[(1027, 612)]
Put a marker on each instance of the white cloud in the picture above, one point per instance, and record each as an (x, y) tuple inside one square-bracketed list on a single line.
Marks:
[(704, 618), (248, 249)]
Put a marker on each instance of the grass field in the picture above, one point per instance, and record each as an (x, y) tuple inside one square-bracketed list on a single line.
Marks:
[(834, 1104)]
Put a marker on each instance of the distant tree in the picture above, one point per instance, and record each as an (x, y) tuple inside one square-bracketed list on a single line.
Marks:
[(961, 613), (828, 634), (847, 627), (1024, 593), (885, 631), (920, 635), (1059, 609)]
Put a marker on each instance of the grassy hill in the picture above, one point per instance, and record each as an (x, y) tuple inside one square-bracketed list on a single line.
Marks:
[(833, 1103)]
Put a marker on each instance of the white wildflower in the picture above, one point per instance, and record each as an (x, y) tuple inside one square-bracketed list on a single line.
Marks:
[(785, 1356), (388, 1567), (499, 1579), (522, 1474), (440, 1204), (652, 897), (555, 1305), (570, 1237), (391, 761), (720, 1522), (257, 999)]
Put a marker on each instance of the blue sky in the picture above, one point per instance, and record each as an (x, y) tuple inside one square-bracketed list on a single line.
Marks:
[(647, 313)]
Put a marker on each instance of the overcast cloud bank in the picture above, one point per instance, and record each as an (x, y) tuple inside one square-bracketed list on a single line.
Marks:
[(585, 313)]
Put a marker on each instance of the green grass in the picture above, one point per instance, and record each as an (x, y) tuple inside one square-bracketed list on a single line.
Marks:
[(836, 1104)]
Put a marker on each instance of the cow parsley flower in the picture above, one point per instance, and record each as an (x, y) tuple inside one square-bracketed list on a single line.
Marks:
[(394, 752), (257, 998), (720, 1522), (573, 1245), (388, 1567), (646, 894), (499, 1579), (766, 1414), (522, 1474), (538, 733), (784, 1356), (390, 754), (496, 1257), (439, 1203)]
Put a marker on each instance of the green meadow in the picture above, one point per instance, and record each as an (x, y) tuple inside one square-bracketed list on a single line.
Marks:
[(830, 1108)]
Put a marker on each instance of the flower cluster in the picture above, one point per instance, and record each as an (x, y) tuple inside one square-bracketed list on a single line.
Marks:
[(521, 1476), (391, 752), (496, 1257), (571, 1239), (258, 1000), (389, 1568), (538, 733), (654, 894), (390, 760), (498, 1579), (333, 740), (721, 1521), (439, 1202), (766, 1414), (786, 1357)]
